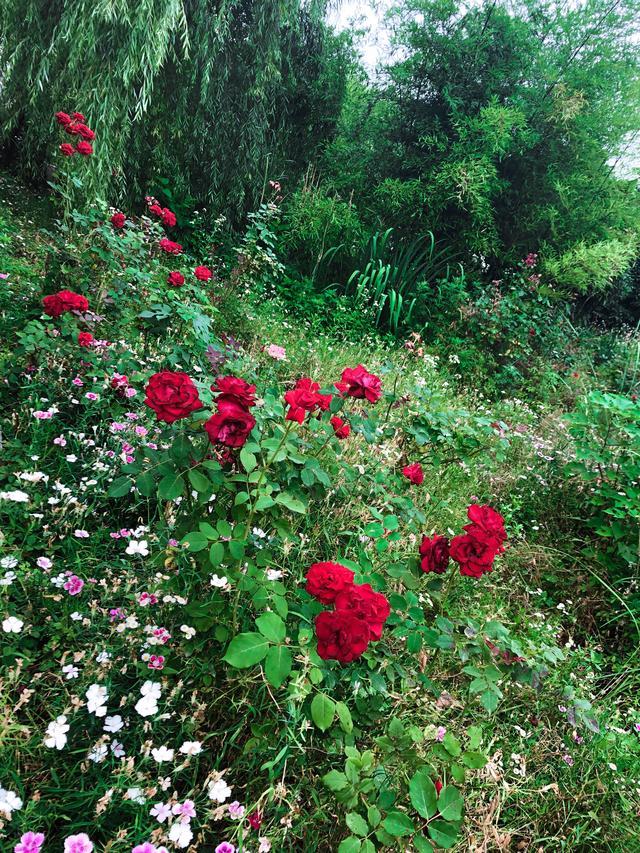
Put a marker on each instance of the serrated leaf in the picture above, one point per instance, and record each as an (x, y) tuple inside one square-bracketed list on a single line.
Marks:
[(248, 460), (246, 650), (474, 760), (335, 780), (170, 487), (344, 715), (422, 793), (350, 845), (357, 824), (323, 710), (272, 627), (277, 666), (198, 480), (290, 502), (450, 803), (398, 824), (443, 833)]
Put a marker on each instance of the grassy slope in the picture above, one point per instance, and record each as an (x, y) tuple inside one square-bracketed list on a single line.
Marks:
[(528, 797)]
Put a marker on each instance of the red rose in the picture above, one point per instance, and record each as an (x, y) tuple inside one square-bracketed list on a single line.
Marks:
[(85, 339), (203, 273), (67, 149), (305, 397), (341, 428), (370, 606), (341, 635), (474, 552), (488, 520), (414, 473), (63, 119), (172, 396), (72, 128), (65, 300), (168, 218), (170, 247), (53, 305), (326, 580), (255, 820), (234, 388), (78, 117), (155, 209), (85, 132), (231, 425), (175, 279), (84, 148), (435, 554), (119, 381), (361, 384), (118, 220)]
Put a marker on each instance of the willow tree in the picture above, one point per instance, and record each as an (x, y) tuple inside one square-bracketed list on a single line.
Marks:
[(201, 91)]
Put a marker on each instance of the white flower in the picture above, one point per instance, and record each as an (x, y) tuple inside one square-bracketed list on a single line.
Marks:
[(96, 697), (57, 733), (191, 747), (9, 802), (151, 688), (99, 753), (141, 547), (217, 581), (16, 495), (117, 749), (136, 795), (8, 562), (33, 476), (113, 724), (188, 631), (12, 625), (81, 534), (71, 457), (103, 657), (180, 834), (70, 671), (219, 791), (148, 704), (44, 563), (77, 617), (162, 754), (273, 575), (8, 579)]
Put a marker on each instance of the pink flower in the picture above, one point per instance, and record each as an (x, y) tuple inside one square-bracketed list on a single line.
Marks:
[(225, 847), (156, 662), (186, 810), (30, 842), (440, 733), (236, 811), (91, 396), (147, 847), (279, 353), (74, 585), (568, 760), (78, 844), (161, 811)]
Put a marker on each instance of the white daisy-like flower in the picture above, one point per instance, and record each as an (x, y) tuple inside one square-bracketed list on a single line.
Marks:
[(219, 791), (12, 625), (57, 733), (113, 724), (9, 802), (162, 753), (141, 548), (70, 671), (191, 747), (180, 834), (96, 698)]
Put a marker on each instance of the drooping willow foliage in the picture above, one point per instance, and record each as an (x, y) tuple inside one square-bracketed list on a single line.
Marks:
[(204, 92)]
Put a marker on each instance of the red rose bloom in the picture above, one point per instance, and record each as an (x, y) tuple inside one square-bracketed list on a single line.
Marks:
[(72, 128), (326, 580), (203, 273), (67, 149), (119, 381), (474, 553), (53, 305), (78, 116), (168, 218), (361, 384), (414, 473), (341, 635), (63, 301), (170, 247), (118, 220), (234, 388), (84, 148), (85, 132), (85, 339), (488, 520), (155, 209), (435, 554), (172, 396), (370, 606), (231, 425), (341, 429), (63, 119), (305, 397), (175, 279)]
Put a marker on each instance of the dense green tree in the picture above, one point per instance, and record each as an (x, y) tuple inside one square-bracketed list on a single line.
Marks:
[(210, 93)]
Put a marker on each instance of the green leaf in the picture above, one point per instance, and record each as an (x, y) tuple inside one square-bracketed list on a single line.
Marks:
[(489, 700), (344, 715), (444, 834), (264, 502), (216, 553), (357, 824), (246, 650), (368, 846), (290, 502), (236, 549), (350, 845), (421, 844), (451, 744), (145, 483), (334, 780), (277, 665), (323, 711), (272, 627), (423, 794), (198, 480), (450, 803), (120, 487), (248, 460), (373, 816), (195, 541), (474, 760), (475, 736), (398, 824), (170, 487)]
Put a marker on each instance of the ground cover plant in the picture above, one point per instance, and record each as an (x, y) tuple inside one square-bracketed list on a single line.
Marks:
[(257, 595)]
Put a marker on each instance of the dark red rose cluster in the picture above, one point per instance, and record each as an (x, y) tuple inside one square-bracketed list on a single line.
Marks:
[(232, 423), (357, 619), (75, 125), (305, 398), (172, 396), (64, 301), (474, 551)]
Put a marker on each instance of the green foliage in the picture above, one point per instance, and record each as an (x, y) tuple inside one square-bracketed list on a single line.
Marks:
[(594, 268)]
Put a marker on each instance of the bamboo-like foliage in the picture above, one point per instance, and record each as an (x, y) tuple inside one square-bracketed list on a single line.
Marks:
[(190, 89)]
